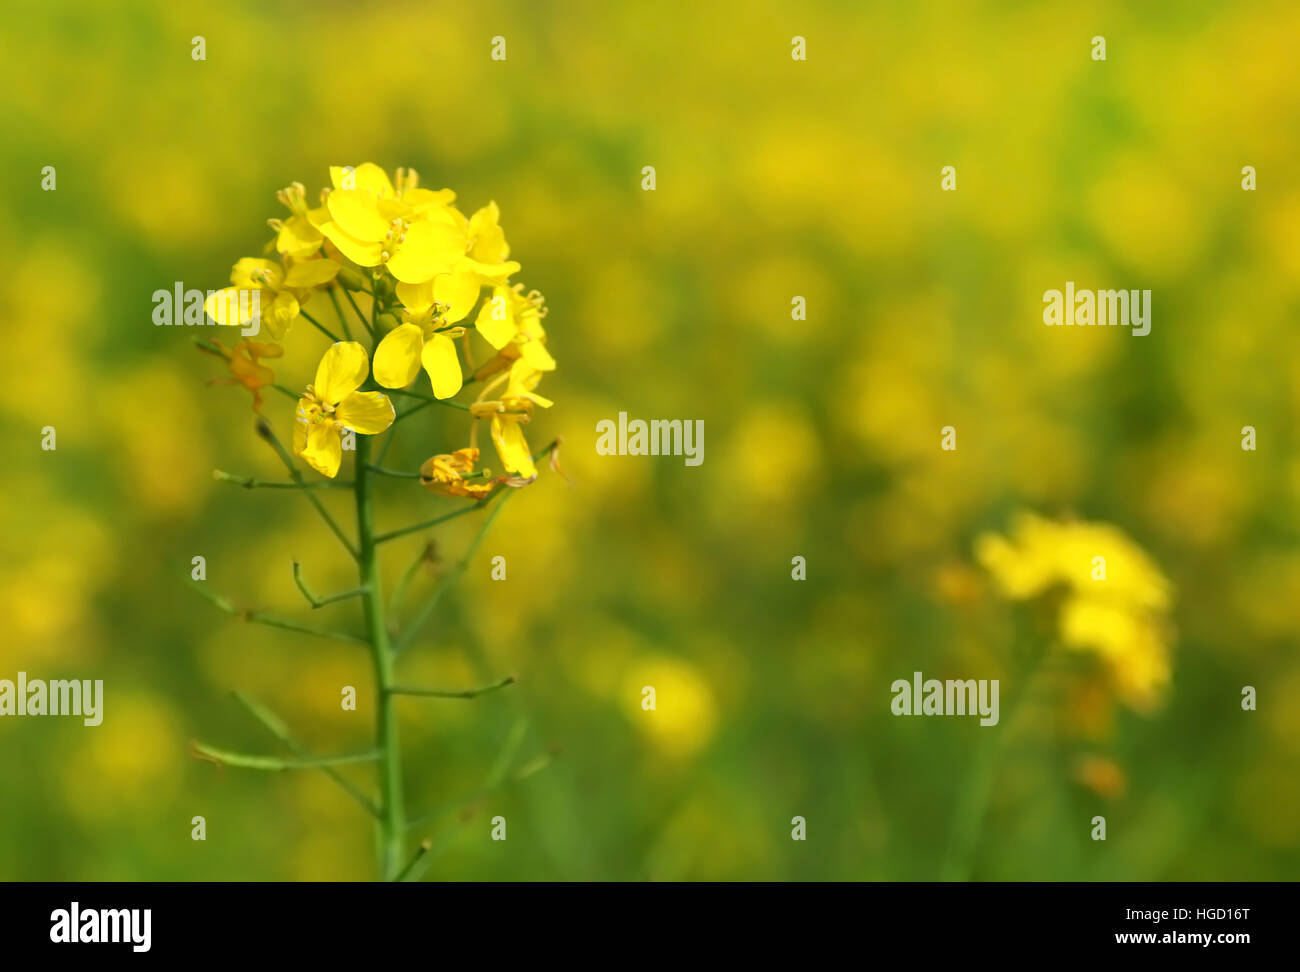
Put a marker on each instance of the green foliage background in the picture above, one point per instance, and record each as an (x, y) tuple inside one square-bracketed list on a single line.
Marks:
[(775, 178)]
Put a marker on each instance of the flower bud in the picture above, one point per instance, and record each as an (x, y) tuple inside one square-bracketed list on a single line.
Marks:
[(351, 279)]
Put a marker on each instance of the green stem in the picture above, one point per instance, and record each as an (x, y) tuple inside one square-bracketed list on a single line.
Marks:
[(412, 628), (264, 617), (264, 430), (394, 473), (248, 482), (360, 316), (392, 825), (319, 326), (314, 599), (425, 524), (275, 763), (276, 727), (338, 309), (451, 693), (427, 555), (971, 806), (428, 398), (424, 848)]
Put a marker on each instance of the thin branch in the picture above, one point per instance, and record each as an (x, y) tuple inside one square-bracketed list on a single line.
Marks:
[(319, 602), (414, 528), (429, 398), (408, 413), (360, 316), (426, 845), (263, 617), (451, 693), (213, 348), (338, 309), (410, 629), (248, 482), (274, 763), (496, 777), (319, 326), (395, 473), (499, 776), (276, 727), (264, 430), (427, 555)]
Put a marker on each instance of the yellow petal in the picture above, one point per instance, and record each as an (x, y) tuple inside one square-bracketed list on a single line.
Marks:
[(442, 365), (496, 318), (324, 449), (366, 412), (281, 314), (341, 371), (356, 212), (423, 201), (397, 359), (459, 291), (298, 237), (225, 307), (367, 177), (489, 271), (508, 437), (431, 247), (256, 272), (311, 273), (490, 244), (417, 298), (536, 355), (360, 252)]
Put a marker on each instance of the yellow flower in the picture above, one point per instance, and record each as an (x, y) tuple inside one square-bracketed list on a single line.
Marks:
[(246, 368), (488, 250), (278, 293), (445, 475), (433, 306), (509, 413), (511, 322), (512, 447), (299, 236), (332, 404), (414, 232), (258, 290), (408, 346)]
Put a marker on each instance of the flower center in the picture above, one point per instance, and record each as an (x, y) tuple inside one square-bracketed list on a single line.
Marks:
[(395, 237), (317, 412)]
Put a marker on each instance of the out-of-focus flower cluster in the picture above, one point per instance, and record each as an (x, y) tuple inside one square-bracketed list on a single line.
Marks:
[(1116, 599)]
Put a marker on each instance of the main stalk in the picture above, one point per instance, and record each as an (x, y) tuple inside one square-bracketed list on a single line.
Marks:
[(392, 824)]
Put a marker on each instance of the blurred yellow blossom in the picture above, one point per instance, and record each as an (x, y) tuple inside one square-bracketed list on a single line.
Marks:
[(684, 717), (1116, 598)]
